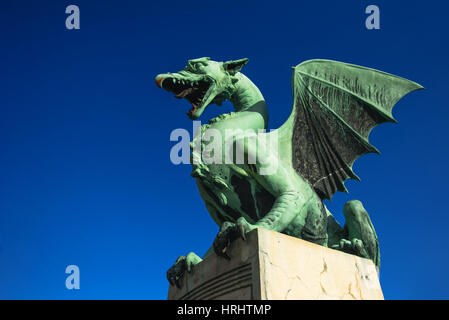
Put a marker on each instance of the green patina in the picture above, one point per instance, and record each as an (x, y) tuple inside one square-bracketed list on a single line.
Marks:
[(335, 107)]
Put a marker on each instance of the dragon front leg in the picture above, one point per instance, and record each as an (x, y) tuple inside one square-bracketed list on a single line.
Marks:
[(278, 219), (285, 209)]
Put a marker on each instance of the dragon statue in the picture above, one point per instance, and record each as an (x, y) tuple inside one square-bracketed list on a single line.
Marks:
[(335, 107)]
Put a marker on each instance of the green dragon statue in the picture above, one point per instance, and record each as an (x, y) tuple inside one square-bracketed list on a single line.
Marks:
[(335, 107)]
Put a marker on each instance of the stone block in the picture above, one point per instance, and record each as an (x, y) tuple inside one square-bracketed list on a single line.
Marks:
[(273, 266)]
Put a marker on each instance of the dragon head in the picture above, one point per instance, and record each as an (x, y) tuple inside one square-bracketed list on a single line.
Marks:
[(202, 82)]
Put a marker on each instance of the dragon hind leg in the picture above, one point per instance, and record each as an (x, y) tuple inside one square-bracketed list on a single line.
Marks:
[(361, 236)]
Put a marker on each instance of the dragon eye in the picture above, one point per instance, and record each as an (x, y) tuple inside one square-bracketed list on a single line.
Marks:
[(196, 65)]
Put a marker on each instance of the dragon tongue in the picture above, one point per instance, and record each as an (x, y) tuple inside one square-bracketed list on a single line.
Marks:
[(194, 108), (183, 93)]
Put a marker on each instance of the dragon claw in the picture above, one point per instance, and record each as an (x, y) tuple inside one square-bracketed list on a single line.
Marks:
[(228, 233), (182, 264), (354, 246), (176, 271), (221, 245), (242, 232), (359, 248)]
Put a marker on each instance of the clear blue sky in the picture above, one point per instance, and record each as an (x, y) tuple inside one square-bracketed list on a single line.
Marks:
[(85, 173)]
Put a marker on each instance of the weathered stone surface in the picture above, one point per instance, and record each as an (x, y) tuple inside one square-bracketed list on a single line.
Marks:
[(273, 266)]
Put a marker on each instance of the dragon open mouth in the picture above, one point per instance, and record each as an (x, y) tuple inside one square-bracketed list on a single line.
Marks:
[(192, 91)]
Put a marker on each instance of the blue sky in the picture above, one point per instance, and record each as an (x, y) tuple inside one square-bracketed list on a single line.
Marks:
[(85, 172)]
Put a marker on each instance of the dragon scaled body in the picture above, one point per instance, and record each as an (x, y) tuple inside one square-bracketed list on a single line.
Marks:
[(334, 109)]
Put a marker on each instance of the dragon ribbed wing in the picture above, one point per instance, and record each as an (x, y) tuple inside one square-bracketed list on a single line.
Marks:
[(335, 107)]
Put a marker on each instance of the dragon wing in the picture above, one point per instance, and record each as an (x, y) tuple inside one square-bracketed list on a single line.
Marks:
[(335, 107)]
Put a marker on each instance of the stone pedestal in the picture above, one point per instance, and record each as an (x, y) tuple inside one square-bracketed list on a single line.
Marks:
[(274, 266)]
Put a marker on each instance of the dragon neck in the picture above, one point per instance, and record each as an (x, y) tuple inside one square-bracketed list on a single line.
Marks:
[(250, 113), (248, 100)]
